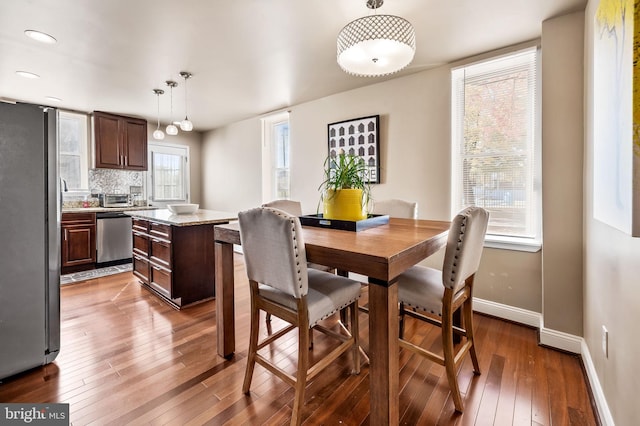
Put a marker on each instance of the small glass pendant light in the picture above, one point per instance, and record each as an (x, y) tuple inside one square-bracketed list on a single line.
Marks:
[(171, 128), (185, 124), (158, 134)]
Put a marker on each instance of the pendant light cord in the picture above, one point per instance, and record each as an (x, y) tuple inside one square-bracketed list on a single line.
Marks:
[(171, 113), (185, 98), (158, 95)]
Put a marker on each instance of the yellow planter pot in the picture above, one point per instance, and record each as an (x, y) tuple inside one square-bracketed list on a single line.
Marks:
[(344, 204)]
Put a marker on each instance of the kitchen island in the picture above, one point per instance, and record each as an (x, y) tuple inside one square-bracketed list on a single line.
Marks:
[(173, 254)]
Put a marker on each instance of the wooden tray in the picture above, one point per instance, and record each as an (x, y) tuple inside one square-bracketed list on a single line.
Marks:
[(345, 225)]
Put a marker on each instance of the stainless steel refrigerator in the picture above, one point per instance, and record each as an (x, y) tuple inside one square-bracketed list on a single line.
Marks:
[(29, 238)]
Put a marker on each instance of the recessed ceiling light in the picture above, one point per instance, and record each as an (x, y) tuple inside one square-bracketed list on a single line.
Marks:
[(40, 36), (27, 74), (53, 98)]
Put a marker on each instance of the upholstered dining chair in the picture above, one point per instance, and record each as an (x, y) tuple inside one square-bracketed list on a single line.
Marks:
[(282, 285), (290, 206), (294, 208), (440, 293), (396, 208)]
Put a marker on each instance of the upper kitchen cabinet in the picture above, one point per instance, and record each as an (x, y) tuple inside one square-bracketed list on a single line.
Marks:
[(120, 142)]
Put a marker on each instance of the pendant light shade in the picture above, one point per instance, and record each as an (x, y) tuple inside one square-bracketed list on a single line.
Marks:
[(185, 124), (158, 134), (171, 128), (376, 45)]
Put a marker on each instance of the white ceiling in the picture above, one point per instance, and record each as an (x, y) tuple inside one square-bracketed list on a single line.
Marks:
[(248, 57)]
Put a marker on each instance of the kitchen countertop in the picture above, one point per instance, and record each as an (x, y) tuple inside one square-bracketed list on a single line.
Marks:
[(103, 209), (200, 217)]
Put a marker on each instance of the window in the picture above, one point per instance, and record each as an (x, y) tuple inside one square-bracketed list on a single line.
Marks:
[(72, 146), (168, 176), (275, 157), (495, 146)]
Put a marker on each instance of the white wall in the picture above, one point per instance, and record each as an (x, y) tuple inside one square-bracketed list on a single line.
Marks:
[(612, 281), (232, 167)]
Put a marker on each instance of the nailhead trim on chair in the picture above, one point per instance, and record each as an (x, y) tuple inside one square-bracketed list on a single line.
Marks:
[(460, 239), (295, 239)]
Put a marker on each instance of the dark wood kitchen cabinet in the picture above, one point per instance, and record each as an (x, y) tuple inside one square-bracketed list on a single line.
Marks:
[(175, 262), (120, 141), (78, 241)]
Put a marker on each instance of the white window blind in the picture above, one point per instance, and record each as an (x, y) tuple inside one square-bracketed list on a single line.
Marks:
[(73, 145), (168, 175), (276, 167), (495, 143), (281, 181)]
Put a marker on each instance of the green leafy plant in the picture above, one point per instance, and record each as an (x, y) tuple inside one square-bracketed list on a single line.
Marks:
[(345, 171)]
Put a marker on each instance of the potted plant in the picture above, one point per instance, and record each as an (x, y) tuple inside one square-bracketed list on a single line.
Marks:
[(345, 191)]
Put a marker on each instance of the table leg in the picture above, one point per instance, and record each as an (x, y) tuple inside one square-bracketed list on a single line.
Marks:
[(225, 315), (383, 353)]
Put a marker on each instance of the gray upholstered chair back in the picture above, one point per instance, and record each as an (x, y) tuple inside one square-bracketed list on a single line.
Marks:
[(464, 246), (396, 208), (292, 207), (274, 251)]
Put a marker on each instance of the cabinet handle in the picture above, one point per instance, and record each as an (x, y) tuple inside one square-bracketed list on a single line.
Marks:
[(126, 161), (65, 234)]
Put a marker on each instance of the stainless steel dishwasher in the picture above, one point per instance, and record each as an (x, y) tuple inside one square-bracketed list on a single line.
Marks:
[(113, 238)]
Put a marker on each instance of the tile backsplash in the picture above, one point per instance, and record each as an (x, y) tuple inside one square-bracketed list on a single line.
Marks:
[(113, 181)]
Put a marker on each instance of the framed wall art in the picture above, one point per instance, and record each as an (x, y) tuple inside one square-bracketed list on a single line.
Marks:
[(616, 116), (359, 137)]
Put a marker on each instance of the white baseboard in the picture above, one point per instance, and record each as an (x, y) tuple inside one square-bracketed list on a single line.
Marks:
[(596, 389), (559, 340), (521, 316)]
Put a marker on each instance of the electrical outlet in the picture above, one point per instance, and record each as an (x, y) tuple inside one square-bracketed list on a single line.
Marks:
[(605, 341)]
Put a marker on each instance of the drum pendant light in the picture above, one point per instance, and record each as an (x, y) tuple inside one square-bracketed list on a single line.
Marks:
[(376, 45)]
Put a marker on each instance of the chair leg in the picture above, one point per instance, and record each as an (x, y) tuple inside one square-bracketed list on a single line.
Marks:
[(449, 361), (468, 325), (356, 337), (253, 345), (401, 321), (267, 317), (301, 376)]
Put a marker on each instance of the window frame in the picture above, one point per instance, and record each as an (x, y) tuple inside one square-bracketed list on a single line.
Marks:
[(519, 243), (269, 155), (85, 151), (160, 147)]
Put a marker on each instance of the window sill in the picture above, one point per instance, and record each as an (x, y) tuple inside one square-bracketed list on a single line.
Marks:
[(513, 243)]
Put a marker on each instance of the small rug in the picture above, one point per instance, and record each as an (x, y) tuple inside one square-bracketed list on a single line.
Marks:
[(94, 273)]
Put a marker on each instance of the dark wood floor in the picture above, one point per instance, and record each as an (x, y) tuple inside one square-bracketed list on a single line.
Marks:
[(127, 358)]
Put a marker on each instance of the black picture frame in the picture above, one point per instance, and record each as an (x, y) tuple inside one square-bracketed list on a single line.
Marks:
[(359, 137)]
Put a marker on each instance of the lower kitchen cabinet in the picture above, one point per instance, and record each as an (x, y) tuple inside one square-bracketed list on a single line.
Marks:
[(78, 241), (175, 262)]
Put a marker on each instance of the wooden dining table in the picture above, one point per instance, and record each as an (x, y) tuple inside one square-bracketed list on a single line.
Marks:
[(380, 253)]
